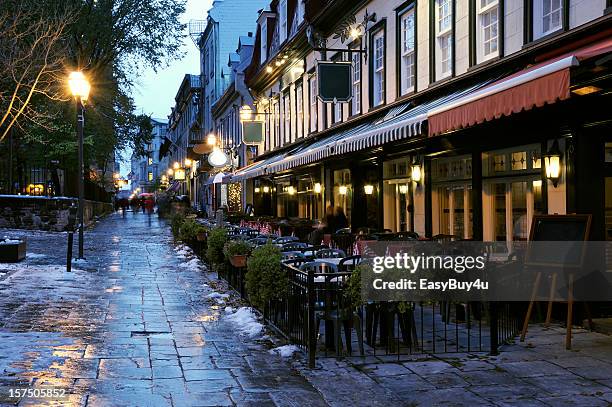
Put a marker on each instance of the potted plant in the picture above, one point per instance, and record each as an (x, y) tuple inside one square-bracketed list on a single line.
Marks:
[(237, 251), (176, 222), (189, 230), (265, 278), (217, 238), (201, 235)]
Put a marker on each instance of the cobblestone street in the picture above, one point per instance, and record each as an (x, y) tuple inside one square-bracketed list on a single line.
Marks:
[(130, 326), (143, 323)]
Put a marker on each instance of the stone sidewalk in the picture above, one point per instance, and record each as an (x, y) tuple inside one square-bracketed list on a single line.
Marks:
[(142, 323), (138, 324)]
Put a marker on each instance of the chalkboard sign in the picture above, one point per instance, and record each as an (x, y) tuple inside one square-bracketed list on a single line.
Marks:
[(567, 231)]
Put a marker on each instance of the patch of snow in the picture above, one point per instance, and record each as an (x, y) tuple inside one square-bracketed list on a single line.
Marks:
[(193, 264), (217, 295), (229, 310), (286, 351), (10, 241), (35, 255), (183, 251), (245, 321), (79, 261)]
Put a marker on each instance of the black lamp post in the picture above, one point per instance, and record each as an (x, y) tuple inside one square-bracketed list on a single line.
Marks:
[(80, 90)]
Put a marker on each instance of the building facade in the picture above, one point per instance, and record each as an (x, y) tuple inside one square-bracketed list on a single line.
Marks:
[(147, 171), (466, 118), (183, 132), (228, 128)]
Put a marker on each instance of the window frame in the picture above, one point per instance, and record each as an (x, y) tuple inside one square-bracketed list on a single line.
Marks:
[(286, 117), (263, 41), (283, 21), (299, 109), (276, 118), (356, 84), (377, 29), (313, 113), (436, 36), (401, 12), (529, 20)]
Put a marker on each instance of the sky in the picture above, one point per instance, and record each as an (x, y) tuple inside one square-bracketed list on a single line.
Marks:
[(154, 92)]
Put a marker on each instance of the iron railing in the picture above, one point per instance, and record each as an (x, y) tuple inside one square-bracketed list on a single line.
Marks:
[(316, 309)]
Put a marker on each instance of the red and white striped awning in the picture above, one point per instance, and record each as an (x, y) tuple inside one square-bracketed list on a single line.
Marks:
[(544, 83)]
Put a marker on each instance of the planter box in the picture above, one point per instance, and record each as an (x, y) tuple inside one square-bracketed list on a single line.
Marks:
[(12, 252), (239, 260)]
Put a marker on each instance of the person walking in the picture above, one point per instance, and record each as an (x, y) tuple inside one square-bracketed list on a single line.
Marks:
[(340, 220)]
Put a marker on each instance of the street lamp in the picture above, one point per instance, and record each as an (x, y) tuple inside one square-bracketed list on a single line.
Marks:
[(80, 87), (246, 113), (211, 140)]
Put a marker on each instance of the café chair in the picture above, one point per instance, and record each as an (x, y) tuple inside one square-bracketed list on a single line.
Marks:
[(330, 254)]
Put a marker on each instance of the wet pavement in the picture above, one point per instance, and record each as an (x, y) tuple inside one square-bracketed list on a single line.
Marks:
[(143, 323), (136, 324)]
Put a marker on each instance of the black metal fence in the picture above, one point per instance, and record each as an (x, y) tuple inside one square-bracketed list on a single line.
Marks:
[(317, 316)]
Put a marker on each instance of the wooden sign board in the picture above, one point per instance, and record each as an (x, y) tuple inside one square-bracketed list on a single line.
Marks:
[(334, 80), (252, 132), (573, 229)]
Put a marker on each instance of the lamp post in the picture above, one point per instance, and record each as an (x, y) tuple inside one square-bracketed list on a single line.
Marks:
[(80, 87)]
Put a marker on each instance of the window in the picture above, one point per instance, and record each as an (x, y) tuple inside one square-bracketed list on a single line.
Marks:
[(444, 38), (452, 197), (299, 110), (150, 176), (287, 118), (300, 11), (487, 29), (512, 186), (282, 23), (356, 100), (407, 61), (313, 103), (264, 41), (378, 42), (150, 161), (547, 17), (276, 118), (337, 107)]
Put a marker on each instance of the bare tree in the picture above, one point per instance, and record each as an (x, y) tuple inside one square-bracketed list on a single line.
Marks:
[(32, 62)]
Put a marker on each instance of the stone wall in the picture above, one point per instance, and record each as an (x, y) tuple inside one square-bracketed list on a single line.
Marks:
[(43, 213)]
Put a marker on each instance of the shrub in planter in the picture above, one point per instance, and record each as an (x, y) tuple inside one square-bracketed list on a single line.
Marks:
[(236, 251), (216, 240), (189, 230), (352, 293), (265, 279), (175, 224)]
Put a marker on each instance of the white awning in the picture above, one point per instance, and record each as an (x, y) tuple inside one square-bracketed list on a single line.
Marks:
[(218, 178)]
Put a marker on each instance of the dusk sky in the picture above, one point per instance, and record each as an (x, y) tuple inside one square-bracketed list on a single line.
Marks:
[(154, 92)]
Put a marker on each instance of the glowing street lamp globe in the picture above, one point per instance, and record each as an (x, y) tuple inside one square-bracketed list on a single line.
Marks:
[(79, 86), (217, 158)]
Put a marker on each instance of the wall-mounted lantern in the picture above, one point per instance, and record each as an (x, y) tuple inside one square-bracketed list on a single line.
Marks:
[(552, 161), (416, 172)]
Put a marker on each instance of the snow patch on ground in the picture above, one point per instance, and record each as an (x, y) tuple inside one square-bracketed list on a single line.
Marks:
[(8, 241), (183, 251), (35, 255), (193, 264), (245, 321), (286, 351), (48, 271), (79, 261), (217, 295)]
